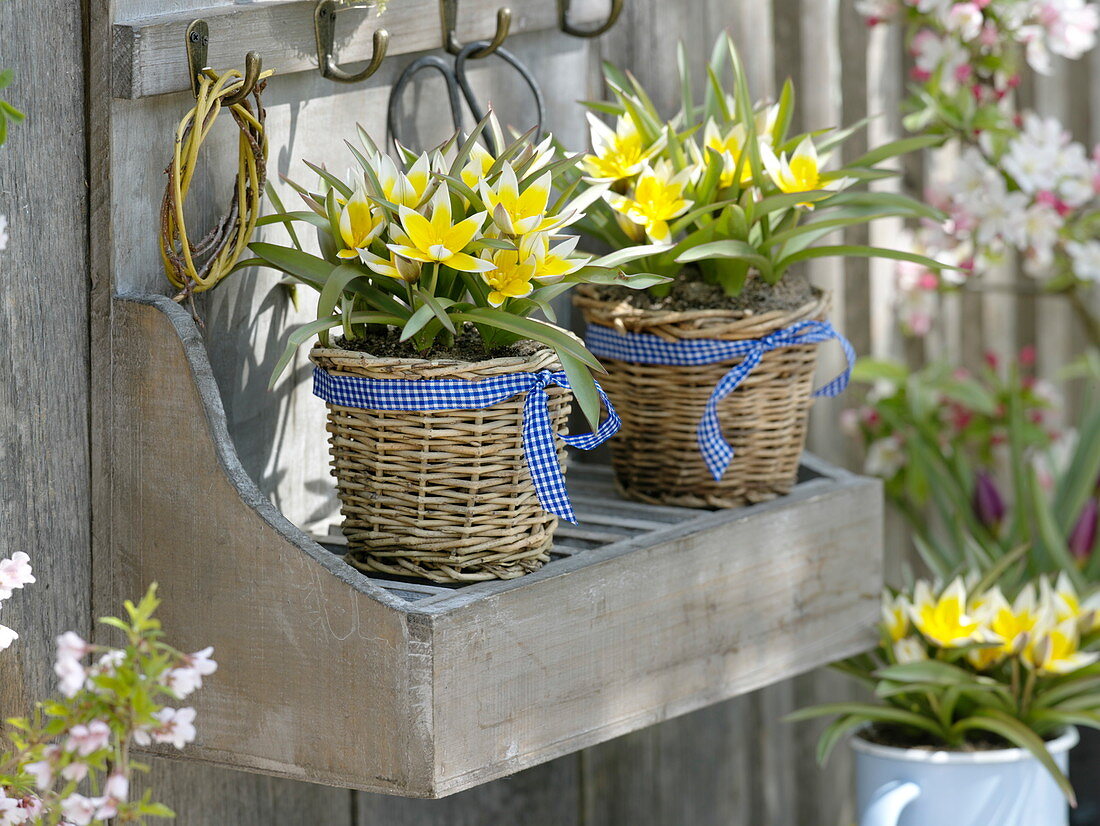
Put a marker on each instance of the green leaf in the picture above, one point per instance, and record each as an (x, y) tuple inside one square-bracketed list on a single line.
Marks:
[(928, 671), (899, 147), (1079, 481), (834, 733), (738, 250), (307, 268), (307, 331), (1004, 725), (438, 307), (625, 256), (881, 714), (1053, 540), (529, 328), (584, 387), (871, 370), (331, 180), (852, 251)]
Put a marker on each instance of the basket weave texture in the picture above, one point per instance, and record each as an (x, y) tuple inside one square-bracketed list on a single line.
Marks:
[(440, 495), (656, 455)]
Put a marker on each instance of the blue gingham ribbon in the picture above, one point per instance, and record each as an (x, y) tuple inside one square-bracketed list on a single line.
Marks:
[(642, 348), (455, 394)]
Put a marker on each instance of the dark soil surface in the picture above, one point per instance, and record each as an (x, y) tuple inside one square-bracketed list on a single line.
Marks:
[(691, 292), (886, 735), (468, 346)]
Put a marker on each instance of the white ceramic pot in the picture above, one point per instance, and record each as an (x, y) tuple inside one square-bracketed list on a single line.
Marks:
[(918, 787)]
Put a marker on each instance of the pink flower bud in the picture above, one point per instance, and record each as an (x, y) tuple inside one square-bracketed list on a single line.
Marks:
[(989, 507), (1082, 539), (1027, 355)]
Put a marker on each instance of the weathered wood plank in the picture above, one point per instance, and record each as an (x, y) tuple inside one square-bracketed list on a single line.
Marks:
[(151, 60), (44, 456), (653, 624)]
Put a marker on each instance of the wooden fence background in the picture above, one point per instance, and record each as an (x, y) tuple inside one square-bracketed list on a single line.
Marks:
[(83, 225)]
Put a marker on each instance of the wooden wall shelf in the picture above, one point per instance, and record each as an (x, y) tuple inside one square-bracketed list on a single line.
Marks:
[(149, 56), (412, 689)]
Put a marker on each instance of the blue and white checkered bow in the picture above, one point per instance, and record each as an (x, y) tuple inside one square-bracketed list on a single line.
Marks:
[(455, 394), (642, 348)]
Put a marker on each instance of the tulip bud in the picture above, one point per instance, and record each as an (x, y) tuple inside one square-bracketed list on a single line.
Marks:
[(989, 507), (409, 269), (1082, 539)]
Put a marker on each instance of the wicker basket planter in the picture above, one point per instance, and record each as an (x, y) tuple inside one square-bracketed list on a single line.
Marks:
[(445, 496), (656, 454)]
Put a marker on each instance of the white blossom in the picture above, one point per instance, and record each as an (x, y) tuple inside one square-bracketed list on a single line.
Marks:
[(78, 809), (7, 637), (1086, 259), (176, 726), (90, 738), (885, 457), (71, 676), (3, 232), (1070, 26), (72, 645), (14, 573)]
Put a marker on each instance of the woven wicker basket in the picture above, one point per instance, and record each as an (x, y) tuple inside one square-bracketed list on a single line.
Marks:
[(446, 495), (656, 456)]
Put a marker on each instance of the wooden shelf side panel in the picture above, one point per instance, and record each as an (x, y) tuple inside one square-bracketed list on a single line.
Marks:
[(321, 672), (710, 610)]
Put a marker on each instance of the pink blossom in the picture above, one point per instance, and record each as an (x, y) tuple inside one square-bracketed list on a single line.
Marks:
[(78, 809), (75, 772), (990, 35), (86, 739), (116, 790), (176, 726), (42, 772), (849, 421), (71, 676), (72, 645), (14, 573)]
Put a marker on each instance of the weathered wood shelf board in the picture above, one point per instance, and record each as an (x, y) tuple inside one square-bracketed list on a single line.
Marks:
[(149, 56), (412, 689)]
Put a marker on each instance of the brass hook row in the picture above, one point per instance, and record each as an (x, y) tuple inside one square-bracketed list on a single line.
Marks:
[(198, 45), (324, 20)]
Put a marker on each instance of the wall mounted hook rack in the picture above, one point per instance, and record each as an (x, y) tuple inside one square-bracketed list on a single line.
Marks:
[(324, 27), (568, 27), (197, 43), (448, 13)]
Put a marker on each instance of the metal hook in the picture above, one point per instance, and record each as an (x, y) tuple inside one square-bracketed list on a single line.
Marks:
[(448, 12), (253, 68), (198, 46), (324, 26), (569, 28)]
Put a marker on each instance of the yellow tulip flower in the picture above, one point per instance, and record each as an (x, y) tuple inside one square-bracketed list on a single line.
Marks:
[(617, 153), (730, 146), (552, 263), (407, 189), (895, 616), (438, 240), (658, 197), (360, 224), (509, 276), (402, 269), (515, 212), (477, 167), (1056, 651), (944, 620), (1015, 625)]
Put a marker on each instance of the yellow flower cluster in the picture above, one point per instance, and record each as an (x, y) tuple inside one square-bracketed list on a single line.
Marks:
[(1041, 627), (650, 185), (509, 237)]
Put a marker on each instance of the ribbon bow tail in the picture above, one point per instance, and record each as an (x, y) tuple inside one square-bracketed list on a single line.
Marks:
[(542, 454), (717, 452)]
